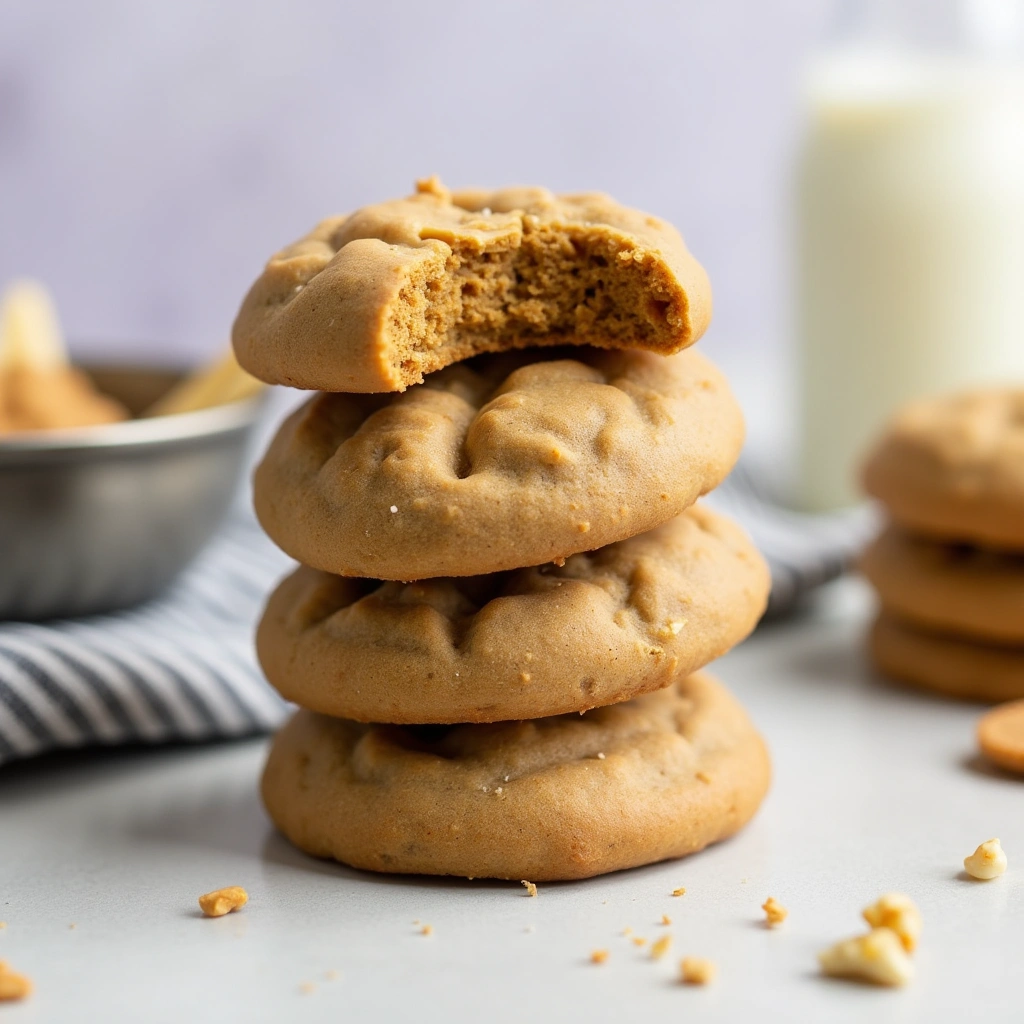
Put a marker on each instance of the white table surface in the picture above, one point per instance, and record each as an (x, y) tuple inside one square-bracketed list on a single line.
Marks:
[(875, 789)]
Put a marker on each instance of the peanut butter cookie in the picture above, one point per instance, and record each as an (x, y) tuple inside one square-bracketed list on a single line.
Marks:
[(972, 592), (505, 461), (603, 627), (947, 664), (573, 796), (953, 468), (373, 301)]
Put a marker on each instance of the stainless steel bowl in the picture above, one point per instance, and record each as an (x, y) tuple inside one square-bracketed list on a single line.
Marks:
[(103, 517)]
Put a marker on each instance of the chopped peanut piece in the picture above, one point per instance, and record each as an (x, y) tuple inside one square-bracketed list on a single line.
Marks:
[(427, 929), (223, 901), (638, 941), (599, 956), (987, 861), (694, 970), (661, 947), (665, 919), (531, 889), (775, 913), (13, 986), (878, 957), (679, 892), (896, 911)]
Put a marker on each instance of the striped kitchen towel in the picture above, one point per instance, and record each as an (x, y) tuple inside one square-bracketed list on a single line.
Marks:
[(182, 667)]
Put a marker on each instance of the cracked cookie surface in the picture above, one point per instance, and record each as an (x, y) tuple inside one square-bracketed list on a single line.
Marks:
[(604, 627), (505, 461), (373, 301), (968, 591), (659, 776), (953, 468)]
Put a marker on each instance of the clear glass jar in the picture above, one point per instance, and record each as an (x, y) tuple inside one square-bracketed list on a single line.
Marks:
[(910, 222)]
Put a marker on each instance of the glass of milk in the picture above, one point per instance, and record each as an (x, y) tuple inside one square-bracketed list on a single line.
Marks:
[(910, 223)]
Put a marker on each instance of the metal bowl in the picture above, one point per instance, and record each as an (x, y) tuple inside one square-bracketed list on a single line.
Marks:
[(102, 517)]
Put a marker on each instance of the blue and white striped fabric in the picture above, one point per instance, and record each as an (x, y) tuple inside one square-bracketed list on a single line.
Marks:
[(183, 668)]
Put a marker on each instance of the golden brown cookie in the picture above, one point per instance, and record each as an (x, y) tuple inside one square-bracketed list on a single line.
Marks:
[(1001, 736), (604, 627), (953, 468), (573, 796), (946, 664), (373, 301), (973, 592), (508, 460)]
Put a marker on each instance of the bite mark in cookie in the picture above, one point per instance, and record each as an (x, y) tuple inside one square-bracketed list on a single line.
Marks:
[(374, 301)]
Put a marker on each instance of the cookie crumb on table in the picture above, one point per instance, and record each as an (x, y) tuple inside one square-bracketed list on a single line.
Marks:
[(695, 970), (896, 911), (427, 929), (13, 986), (987, 861), (531, 889), (665, 919), (661, 947), (775, 913), (599, 956), (679, 892), (639, 941), (223, 901), (307, 988), (878, 957)]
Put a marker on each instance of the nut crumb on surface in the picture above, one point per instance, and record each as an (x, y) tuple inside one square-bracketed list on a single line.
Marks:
[(639, 940), (394, 508), (987, 861), (661, 947), (427, 929), (223, 901), (531, 889), (695, 970), (896, 911), (878, 957), (599, 956), (679, 892), (13, 986), (703, 776), (665, 919), (775, 913), (307, 988)]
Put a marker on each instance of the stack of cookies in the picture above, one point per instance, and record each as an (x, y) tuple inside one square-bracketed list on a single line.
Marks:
[(507, 589), (949, 570)]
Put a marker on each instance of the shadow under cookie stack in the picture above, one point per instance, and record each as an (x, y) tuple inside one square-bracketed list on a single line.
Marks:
[(949, 569), (507, 590)]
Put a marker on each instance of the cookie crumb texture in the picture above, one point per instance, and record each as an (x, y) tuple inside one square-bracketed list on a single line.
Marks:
[(897, 912), (988, 861), (774, 912), (373, 301), (425, 800), (13, 986), (606, 626), (531, 888), (494, 464), (695, 970), (878, 958), (223, 901)]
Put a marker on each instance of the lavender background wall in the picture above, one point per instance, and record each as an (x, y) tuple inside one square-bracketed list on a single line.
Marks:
[(153, 154)]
